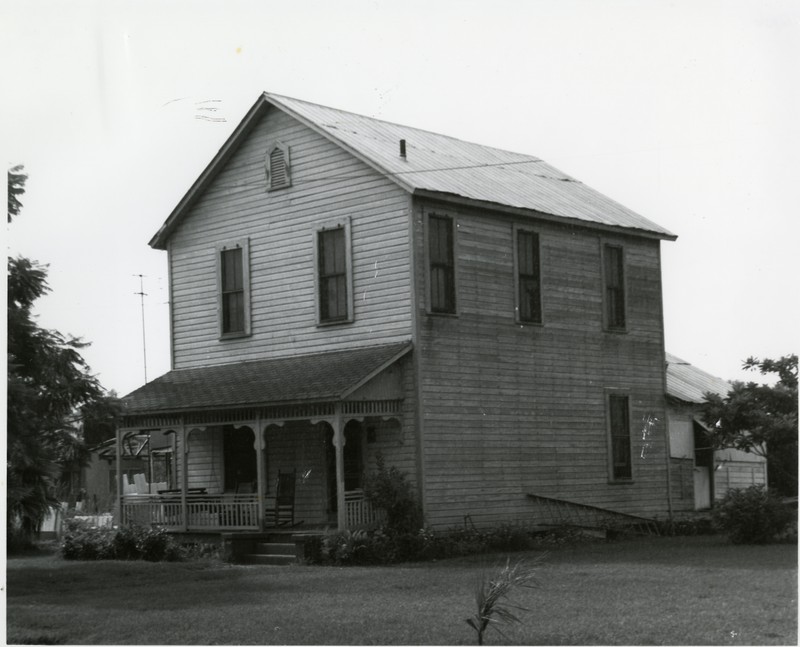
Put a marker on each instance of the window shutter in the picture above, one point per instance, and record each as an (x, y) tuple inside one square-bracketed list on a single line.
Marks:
[(277, 165)]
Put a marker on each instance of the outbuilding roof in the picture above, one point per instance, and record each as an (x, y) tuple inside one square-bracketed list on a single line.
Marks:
[(688, 383), (318, 377), (438, 166)]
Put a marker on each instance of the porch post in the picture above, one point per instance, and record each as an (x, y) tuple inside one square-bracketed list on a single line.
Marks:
[(338, 445), (260, 469), (184, 474)]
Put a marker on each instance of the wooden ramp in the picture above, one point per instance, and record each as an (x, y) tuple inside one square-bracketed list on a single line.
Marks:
[(559, 512)]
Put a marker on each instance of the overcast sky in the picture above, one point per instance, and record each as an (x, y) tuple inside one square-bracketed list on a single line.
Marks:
[(686, 112)]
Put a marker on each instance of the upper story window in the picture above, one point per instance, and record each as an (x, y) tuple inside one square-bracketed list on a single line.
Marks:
[(614, 281), (334, 285), (234, 289), (441, 264), (620, 467), (528, 277), (278, 166)]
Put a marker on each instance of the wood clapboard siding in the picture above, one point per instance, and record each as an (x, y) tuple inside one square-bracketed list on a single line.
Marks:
[(512, 409), (738, 474), (205, 461), (327, 184), (682, 484), (301, 447)]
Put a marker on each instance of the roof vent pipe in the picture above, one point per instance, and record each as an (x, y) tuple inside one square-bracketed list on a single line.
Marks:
[(403, 148)]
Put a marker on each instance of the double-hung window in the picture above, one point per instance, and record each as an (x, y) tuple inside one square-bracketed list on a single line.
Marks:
[(234, 289), (620, 468), (441, 264), (614, 284), (334, 286), (528, 277)]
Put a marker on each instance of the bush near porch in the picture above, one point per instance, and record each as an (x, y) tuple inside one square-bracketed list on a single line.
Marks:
[(655, 590), (382, 546)]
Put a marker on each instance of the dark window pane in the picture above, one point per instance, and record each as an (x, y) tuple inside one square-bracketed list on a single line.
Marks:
[(233, 316), (332, 275), (615, 287), (530, 303), (442, 271), (620, 436)]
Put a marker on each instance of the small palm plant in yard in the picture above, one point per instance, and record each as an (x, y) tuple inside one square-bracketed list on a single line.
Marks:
[(492, 596)]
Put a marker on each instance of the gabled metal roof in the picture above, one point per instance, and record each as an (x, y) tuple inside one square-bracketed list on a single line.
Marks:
[(439, 166), (319, 377), (689, 384)]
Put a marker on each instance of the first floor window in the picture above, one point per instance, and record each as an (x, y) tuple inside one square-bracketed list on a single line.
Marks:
[(619, 423)]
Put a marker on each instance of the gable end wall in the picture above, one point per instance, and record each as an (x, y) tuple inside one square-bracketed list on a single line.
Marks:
[(328, 184)]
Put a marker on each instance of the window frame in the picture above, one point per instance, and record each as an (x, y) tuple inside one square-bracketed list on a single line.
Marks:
[(344, 225), (527, 231), (453, 267), (610, 322), (244, 245), (613, 438), (287, 165)]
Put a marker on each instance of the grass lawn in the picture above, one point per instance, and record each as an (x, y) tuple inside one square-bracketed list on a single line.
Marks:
[(685, 590)]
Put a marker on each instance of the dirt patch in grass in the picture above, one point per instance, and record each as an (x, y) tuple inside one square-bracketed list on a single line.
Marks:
[(695, 590)]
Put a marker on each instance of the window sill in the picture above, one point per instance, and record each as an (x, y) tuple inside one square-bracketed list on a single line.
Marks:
[(621, 481), (338, 322), (616, 331), (529, 324), (451, 315), (233, 335)]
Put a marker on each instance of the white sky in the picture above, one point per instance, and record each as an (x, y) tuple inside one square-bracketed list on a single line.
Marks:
[(686, 112)]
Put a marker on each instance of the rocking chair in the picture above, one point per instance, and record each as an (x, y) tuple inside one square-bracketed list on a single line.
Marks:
[(284, 499)]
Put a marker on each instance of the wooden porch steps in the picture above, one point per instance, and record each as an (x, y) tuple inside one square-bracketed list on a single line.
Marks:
[(272, 553)]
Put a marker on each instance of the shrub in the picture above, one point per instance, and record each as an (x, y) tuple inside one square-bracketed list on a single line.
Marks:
[(82, 541), (365, 547), (388, 489), (156, 545), (686, 527), (751, 516)]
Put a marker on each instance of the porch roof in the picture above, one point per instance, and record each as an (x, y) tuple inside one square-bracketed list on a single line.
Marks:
[(315, 377)]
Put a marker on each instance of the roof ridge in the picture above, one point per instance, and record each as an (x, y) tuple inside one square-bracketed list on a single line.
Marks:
[(270, 95)]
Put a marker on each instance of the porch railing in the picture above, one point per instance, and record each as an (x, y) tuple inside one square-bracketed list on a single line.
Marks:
[(203, 511), (359, 513), (224, 511)]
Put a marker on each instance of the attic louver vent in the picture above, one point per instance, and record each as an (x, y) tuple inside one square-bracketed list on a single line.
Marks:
[(278, 170)]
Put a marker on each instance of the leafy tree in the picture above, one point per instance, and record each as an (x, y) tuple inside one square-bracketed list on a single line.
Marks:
[(99, 418), (47, 380), (761, 419), (16, 187)]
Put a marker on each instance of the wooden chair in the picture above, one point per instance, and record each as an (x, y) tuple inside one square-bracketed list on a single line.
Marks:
[(284, 499)]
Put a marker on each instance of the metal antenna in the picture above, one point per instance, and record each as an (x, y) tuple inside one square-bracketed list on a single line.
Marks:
[(142, 295)]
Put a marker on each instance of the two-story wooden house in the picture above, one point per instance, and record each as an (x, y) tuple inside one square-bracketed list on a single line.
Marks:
[(342, 286)]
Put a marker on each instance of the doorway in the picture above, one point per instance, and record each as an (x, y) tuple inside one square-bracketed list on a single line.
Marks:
[(239, 458)]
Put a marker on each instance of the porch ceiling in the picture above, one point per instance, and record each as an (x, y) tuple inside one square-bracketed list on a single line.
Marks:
[(305, 378)]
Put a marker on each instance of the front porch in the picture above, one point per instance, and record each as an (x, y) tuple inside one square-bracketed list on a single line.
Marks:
[(223, 440)]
